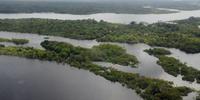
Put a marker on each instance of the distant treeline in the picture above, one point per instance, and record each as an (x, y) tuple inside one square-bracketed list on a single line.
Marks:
[(136, 7)]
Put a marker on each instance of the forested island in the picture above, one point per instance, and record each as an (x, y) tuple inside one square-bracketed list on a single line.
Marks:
[(148, 88), (182, 34), (174, 66), (15, 41)]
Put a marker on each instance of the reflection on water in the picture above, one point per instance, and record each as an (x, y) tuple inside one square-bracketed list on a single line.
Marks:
[(25, 79), (109, 17)]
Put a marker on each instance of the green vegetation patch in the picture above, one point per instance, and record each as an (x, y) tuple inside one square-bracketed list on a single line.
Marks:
[(174, 66), (114, 54), (78, 29), (15, 41), (158, 51), (103, 52), (29, 52)]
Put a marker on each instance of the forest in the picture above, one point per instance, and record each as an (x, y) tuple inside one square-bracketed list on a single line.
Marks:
[(103, 52), (182, 34)]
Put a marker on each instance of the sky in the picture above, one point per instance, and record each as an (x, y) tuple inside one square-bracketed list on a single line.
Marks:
[(90, 0), (100, 0)]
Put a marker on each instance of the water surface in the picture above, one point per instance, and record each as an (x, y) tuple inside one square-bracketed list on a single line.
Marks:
[(109, 17), (25, 79)]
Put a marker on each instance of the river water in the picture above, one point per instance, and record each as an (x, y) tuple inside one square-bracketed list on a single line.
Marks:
[(26, 79), (109, 17), (147, 67)]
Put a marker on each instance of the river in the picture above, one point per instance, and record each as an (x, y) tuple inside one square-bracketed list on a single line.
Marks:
[(109, 17), (26, 79), (147, 66)]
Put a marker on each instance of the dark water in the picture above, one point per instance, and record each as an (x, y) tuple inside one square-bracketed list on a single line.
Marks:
[(23, 79)]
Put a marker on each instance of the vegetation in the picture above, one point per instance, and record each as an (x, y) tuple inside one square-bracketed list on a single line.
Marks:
[(175, 67), (113, 53), (29, 52), (103, 52), (79, 29), (184, 35), (149, 89), (15, 41), (158, 51), (20, 41), (189, 43)]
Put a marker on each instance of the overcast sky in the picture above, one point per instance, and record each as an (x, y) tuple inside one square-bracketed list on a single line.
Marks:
[(90, 0)]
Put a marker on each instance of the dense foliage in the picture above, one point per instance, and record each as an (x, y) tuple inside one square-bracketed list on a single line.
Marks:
[(174, 66), (158, 51), (184, 35), (15, 41), (187, 42), (29, 52), (149, 89), (103, 52), (79, 29)]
